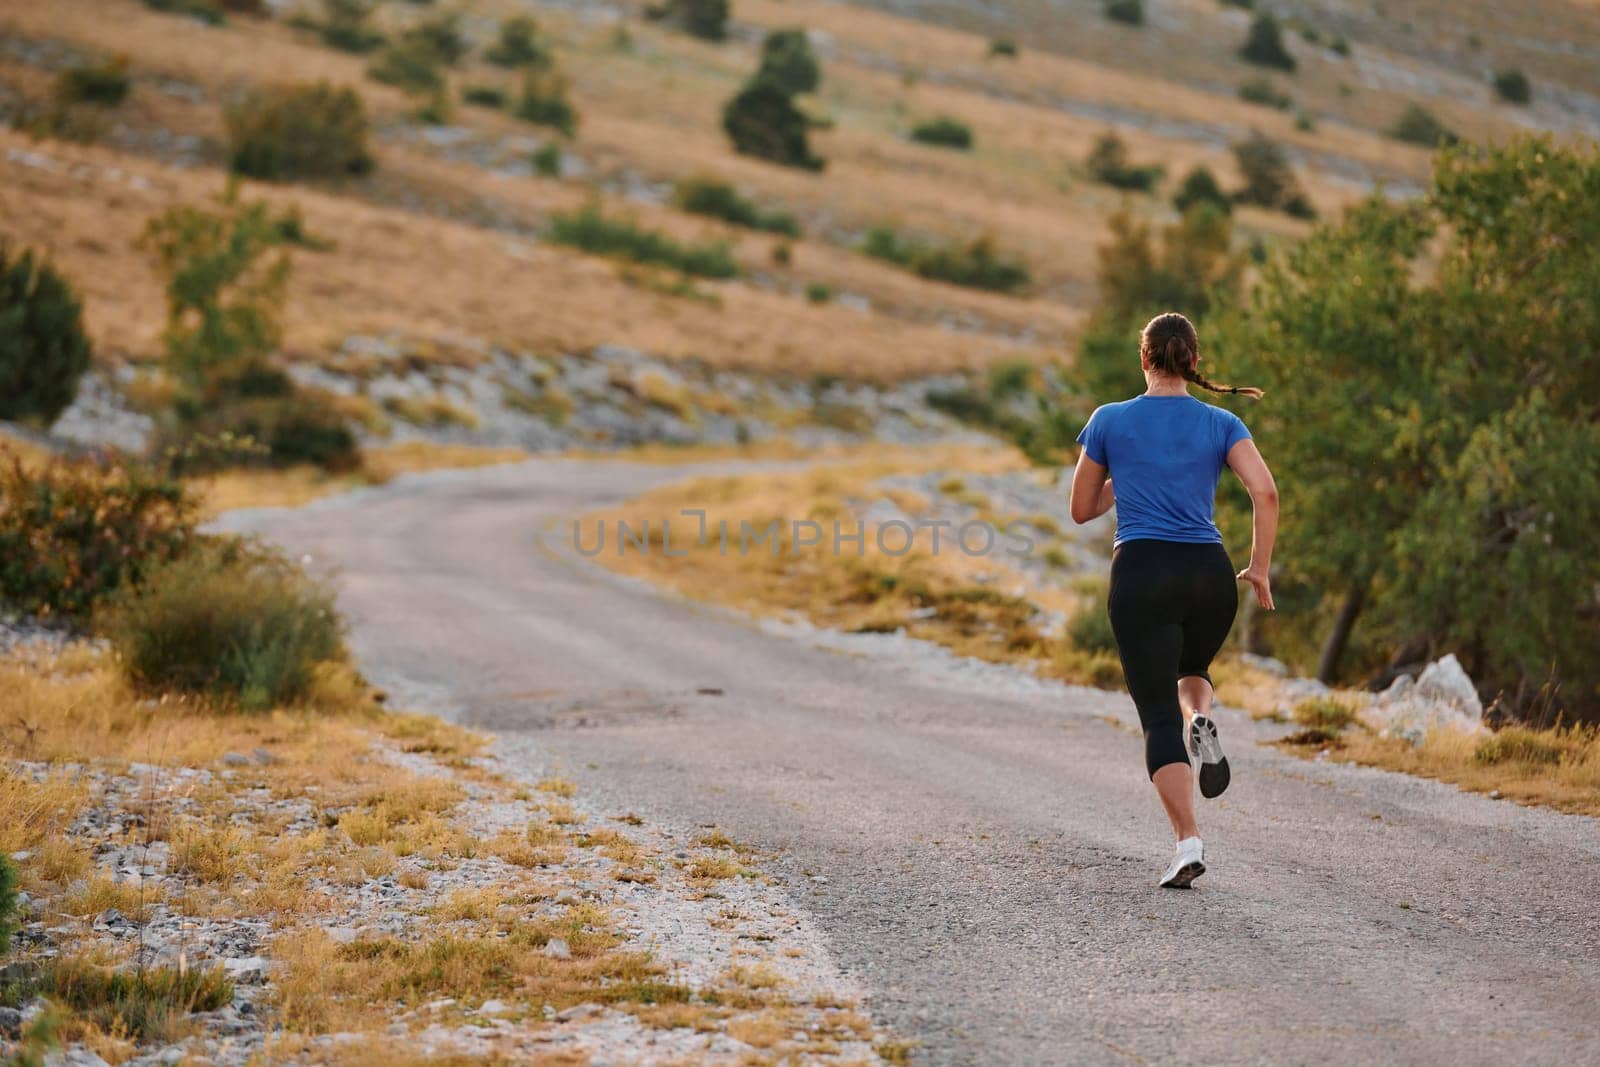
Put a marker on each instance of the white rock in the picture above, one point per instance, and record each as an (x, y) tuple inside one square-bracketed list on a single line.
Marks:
[(248, 969), (493, 1007), (558, 949), (1446, 681)]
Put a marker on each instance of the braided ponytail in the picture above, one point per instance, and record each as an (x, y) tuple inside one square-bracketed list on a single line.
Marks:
[(1171, 346)]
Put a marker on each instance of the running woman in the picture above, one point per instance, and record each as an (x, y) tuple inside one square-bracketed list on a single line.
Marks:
[(1173, 597)]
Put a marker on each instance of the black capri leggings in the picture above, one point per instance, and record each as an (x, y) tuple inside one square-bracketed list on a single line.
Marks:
[(1171, 606)]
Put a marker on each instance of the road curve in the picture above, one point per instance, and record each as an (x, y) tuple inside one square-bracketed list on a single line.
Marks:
[(980, 850)]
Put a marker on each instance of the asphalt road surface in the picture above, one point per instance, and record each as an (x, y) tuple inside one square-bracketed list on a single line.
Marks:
[(980, 850)]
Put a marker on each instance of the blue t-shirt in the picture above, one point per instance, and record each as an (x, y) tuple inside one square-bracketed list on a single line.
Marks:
[(1165, 455)]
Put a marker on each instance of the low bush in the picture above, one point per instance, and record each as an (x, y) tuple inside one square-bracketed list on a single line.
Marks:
[(298, 131), (943, 131), (74, 532), (719, 200), (272, 429), (1090, 630), (104, 84), (1419, 126), (1003, 48), (546, 160), (590, 230), (1200, 186), (439, 38), (1513, 86), (543, 101), (1520, 744), (205, 10), (1269, 181), (8, 902), (44, 349), (1128, 11), (347, 27), (147, 1004), (975, 264), (788, 62), (519, 44), (1262, 91), (706, 19), (408, 64), (1108, 164), (819, 292), (763, 121), (1264, 45), (1325, 714), (485, 96), (230, 622)]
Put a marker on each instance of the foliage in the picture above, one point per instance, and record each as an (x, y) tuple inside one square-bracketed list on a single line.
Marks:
[(1090, 630), (546, 160), (543, 101), (8, 902), (225, 290), (347, 28), (491, 96), (788, 62), (706, 19), (44, 349), (280, 427), (410, 64), (145, 1003), (763, 121), (1108, 164), (590, 230), (943, 131), (227, 621), (1443, 425), (720, 200), (1417, 125), (1129, 11), (1192, 270), (1269, 181), (74, 531), (438, 38), (519, 44), (975, 264), (1264, 45), (1513, 86), (104, 84), (205, 10), (1003, 48), (298, 131), (1200, 186), (1262, 91)]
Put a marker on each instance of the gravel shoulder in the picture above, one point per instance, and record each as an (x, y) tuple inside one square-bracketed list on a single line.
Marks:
[(978, 847)]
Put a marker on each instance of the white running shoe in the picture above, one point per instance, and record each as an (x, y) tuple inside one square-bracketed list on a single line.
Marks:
[(1188, 863), (1207, 748)]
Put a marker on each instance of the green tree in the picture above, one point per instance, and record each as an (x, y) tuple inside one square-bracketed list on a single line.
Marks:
[(763, 121), (706, 19), (519, 45), (226, 281), (1436, 417), (43, 347), (788, 61), (298, 131), (1264, 46)]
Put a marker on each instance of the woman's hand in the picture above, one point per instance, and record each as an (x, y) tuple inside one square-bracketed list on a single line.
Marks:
[(1261, 583)]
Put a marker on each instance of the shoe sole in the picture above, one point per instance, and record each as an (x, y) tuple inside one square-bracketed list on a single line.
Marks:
[(1207, 748), (1184, 877)]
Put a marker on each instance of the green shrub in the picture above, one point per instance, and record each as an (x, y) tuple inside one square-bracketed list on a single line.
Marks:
[(706, 19), (147, 1004), (719, 200), (298, 131), (230, 622), (1513, 86), (439, 37), (1269, 181), (1325, 714), (519, 44), (409, 64), (1090, 630), (485, 96), (1417, 125), (205, 10), (762, 121), (1519, 744), (590, 230), (273, 428), (1304, 122), (788, 62), (1200, 186), (104, 84), (819, 292), (1340, 46), (8, 902), (944, 131), (346, 26), (72, 532), (543, 101), (1108, 164), (43, 347), (1264, 45), (1003, 47), (974, 264), (1129, 11), (547, 160), (1262, 91)]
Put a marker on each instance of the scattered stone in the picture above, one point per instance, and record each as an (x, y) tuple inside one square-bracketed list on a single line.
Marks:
[(236, 759), (10, 1023), (556, 948), (248, 969)]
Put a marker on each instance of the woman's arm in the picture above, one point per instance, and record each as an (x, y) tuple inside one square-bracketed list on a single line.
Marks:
[(1245, 460), (1092, 495)]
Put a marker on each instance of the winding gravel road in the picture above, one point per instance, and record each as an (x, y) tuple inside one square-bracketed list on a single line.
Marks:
[(980, 848)]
